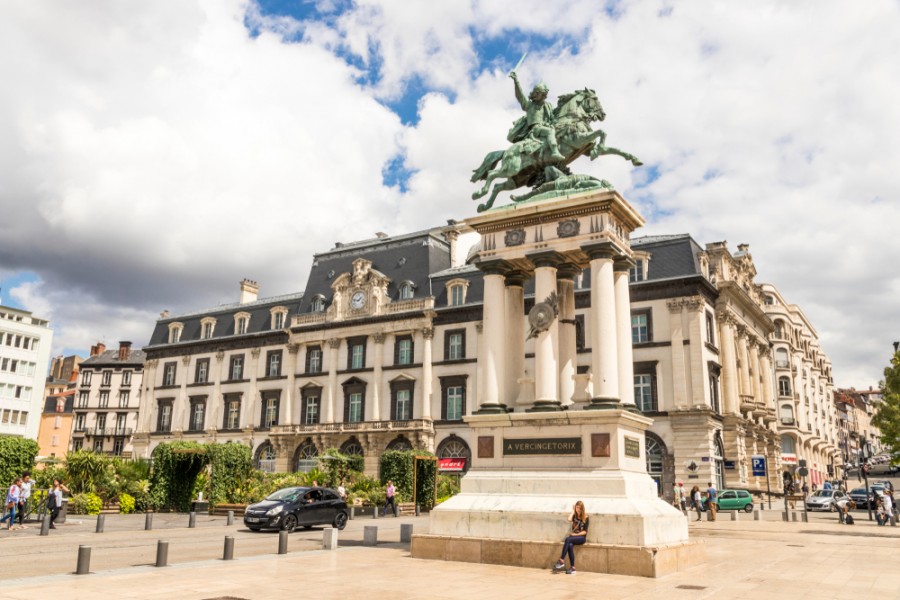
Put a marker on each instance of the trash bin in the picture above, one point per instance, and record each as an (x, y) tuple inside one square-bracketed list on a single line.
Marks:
[(63, 511), (200, 507)]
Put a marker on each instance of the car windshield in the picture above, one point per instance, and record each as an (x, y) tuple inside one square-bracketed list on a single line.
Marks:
[(859, 491), (285, 494), (823, 493)]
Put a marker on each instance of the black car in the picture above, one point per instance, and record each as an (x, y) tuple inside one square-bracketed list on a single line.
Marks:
[(864, 499), (294, 507)]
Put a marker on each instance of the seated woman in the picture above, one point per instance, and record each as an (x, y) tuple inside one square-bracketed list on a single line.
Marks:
[(577, 535)]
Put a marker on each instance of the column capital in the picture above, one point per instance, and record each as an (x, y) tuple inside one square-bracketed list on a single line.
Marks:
[(517, 278), (428, 333), (293, 348), (546, 258), (379, 337), (568, 270), (334, 343), (599, 250), (623, 264), (494, 267)]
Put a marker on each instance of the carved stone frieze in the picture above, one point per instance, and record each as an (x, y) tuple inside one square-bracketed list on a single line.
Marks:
[(428, 333), (514, 237), (568, 228)]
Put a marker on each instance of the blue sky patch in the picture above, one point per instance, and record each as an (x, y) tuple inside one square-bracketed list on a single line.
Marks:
[(396, 174), (8, 283)]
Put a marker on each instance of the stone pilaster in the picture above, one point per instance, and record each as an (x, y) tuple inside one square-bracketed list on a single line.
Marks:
[(287, 412), (729, 363), (676, 335), (334, 345), (377, 375), (427, 373), (249, 407)]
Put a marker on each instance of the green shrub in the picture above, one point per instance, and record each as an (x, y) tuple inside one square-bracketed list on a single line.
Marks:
[(43, 478), (85, 504), (16, 456), (447, 487), (126, 503), (405, 471)]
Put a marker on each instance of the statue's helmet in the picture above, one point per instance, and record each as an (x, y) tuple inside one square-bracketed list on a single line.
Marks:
[(541, 87)]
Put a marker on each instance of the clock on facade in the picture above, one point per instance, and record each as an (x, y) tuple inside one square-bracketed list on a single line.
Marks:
[(358, 300)]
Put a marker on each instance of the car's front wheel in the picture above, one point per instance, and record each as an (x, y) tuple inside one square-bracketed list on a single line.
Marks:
[(253, 528), (748, 508), (289, 523), (340, 521)]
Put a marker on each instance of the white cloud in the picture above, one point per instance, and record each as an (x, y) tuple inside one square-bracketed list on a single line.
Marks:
[(155, 154)]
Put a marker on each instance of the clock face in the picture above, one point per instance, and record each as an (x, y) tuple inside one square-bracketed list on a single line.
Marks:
[(358, 300)]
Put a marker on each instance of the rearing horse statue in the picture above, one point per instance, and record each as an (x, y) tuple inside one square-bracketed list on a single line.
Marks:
[(524, 163)]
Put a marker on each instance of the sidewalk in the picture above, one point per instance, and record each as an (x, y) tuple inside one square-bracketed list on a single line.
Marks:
[(747, 560)]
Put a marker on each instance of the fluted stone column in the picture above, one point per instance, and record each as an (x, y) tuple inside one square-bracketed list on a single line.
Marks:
[(515, 334), (427, 373), (742, 341), (755, 386), (546, 343), (568, 351), (212, 419), (288, 412), (621, 267), (377, 377), (334, 345), (492, 399), (604, 328), (729, 364), (251, 393), (179, 419)]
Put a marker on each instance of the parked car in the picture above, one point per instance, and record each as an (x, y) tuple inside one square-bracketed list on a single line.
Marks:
[(731, 500), (824, 500), (865, 499), (294, 507)]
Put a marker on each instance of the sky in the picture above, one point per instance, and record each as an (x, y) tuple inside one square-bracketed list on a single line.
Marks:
[(153, 154)]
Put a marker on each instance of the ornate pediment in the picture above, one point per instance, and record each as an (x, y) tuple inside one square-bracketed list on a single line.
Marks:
[(360, 293)]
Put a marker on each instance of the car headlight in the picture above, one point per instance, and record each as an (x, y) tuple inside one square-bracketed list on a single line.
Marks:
[(274, 511)]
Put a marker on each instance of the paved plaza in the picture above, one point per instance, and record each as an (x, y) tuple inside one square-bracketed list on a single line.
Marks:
[(746, 559)]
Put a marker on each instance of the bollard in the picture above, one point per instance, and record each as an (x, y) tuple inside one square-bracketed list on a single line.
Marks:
[(162, 553), (418, 509), (230, 520), (330, 538), (375, 512), (228, 553), (45, 525), (352, 512), (734, 515), (406, 533), (148, 521), (757, 515), (794, 517), (192, 520), (101, 523), (805, 517), (370, 536), (282, 541), (396, 510), (84, 560)]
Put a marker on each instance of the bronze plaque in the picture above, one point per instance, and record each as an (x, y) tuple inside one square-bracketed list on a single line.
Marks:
[(531, 446), (632, 447), (600, 445), (485, 446)]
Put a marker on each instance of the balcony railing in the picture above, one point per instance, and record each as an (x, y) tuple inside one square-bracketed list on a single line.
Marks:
[(107, 431), (412, 424), (782, 364)]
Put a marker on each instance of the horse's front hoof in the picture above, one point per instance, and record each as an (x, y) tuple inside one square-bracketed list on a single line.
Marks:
[(637, 162), (483, 207)]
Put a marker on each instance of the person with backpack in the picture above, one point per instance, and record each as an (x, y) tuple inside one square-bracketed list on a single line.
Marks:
[(55, 499)]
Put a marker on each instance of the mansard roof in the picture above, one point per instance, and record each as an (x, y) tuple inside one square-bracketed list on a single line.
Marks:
[(110, 358), (670, 255)]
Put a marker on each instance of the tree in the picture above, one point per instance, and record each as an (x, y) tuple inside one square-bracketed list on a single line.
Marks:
[(887, 417), (16, 455)]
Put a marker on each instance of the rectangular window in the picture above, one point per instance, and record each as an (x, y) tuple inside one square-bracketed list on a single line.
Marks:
[(355, 410), (270, 412), (83, 399), (311, 410), (101, 423), (54, 440), (121, 421), (643, 393), (124, 397), (273, 363), (86, 378), (356, 353), (118, 445), (241, 326), (314, 359), (236, 368), (57, 422), (201, 371), (637, 271), (714, 396), (98, 445), (404, 405), (278, 321), (169, 373), (455, 394), (164, 422), (198, 415), (79, 422), (208, 330), (232, 414), (403, 350), (456, 295), (710, 330), (640, 327), (126, 378), (107, 378), (104, 399), (455, 344)]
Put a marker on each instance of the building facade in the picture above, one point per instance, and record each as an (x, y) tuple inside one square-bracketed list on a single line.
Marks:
[(24, 355), (108, 400)]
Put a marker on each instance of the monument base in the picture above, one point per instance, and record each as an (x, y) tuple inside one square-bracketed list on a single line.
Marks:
[(637, 561), (532, 468)]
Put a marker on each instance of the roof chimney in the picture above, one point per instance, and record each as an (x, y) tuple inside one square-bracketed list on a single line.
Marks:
[(249, 291), (98, 349), (124, 351)]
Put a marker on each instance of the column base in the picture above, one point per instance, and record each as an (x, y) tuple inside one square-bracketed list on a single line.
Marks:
[(545, 406), (491, 409), (600, 403)]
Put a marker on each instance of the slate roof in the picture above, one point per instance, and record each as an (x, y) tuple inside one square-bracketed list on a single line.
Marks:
[(110, 358), (671, 256), (50, 404)]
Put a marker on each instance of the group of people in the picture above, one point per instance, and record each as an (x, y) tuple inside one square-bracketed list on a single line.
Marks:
[(18, 497), (685, 500)]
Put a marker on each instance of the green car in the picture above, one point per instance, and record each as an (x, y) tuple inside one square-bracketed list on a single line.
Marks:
[(733, 500)]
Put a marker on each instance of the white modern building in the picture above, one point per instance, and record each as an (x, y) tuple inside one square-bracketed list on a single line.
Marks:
[(24, 356)]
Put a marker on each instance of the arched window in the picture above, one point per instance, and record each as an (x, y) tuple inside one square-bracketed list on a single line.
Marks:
[(781, 358), (407, 290), (786, 413), (400, 443), (306, 458), (787, 445), (784, 386), (454, 447), (317, 304), (265, 457), (719, 458), (352, 448), (655, 451), (779, 330)]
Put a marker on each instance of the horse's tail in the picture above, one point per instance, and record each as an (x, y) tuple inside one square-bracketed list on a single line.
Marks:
[(487, 164)]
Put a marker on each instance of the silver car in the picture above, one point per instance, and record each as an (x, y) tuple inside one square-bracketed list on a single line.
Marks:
[(824, 500)]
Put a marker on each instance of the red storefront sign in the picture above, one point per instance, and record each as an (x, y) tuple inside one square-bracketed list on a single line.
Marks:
[(452, 464)]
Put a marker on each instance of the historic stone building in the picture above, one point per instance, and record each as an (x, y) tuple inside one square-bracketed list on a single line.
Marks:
[(108, 399)]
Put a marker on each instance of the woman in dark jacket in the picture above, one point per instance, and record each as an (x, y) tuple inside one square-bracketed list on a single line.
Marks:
[(577, 536)]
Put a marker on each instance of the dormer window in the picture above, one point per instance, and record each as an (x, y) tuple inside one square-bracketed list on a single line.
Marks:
[(207, 328), (456, 292), (241, 323), (175, 330), (407, 290), (279, 317), (639, 271), (317, 304)]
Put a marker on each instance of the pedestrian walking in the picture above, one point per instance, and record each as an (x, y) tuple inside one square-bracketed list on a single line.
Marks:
[(389, 497), (683, 496), (24, 497), (577, 535), (342, 491), (55, 500), (677, 496), (698, 504), (12, 502), (711, 496), (826, 485)]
